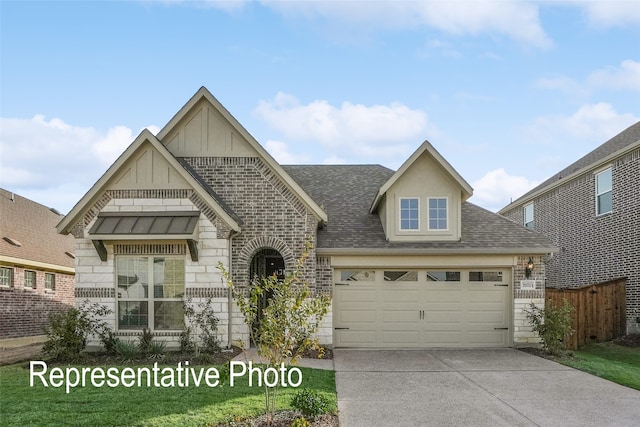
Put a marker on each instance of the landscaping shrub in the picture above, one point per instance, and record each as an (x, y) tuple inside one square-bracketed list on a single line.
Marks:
[(127, 350), (145, 340), (553, 324), (310, 403), (67, 331), (157, 350)]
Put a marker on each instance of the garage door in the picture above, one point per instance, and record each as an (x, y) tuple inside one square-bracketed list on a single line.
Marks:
[(422, 308)]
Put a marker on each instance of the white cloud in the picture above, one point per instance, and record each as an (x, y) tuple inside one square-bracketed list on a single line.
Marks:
[(516, 19), (377, 131), (334, 160), (591, 122), (627, 76), (53, 162), (612, 13), (497, 188), (281, 153)]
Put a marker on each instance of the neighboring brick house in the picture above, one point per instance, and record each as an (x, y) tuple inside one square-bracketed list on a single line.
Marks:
[(36, 268), (591, 211), (408, 261)]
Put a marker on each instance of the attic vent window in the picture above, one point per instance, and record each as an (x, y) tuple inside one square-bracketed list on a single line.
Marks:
[(70, 255), (11, 241)]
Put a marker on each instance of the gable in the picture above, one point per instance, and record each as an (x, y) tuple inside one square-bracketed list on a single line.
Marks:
[(145, 164), (204, 128), (425, 178), (147, 168), (204, 132)]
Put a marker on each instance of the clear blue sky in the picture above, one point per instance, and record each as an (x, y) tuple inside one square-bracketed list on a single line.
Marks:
[(509, 92)]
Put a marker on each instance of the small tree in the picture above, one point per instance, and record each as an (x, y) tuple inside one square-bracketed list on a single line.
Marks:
[(553, 324), (289, 322), (205, 321)]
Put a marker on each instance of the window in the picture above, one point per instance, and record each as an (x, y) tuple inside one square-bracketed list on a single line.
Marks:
[(6, 276), (400, 276), (409, 214), (485, 276), (50, 281), (443, 276), (528, 216), (438, 213), (604, 185), (29, 279), (357, 276), (158, 308)]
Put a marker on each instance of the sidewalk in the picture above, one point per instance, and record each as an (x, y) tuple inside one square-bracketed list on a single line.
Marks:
[(251, 355)]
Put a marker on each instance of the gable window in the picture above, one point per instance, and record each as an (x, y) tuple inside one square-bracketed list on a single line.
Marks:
[(529, 216), (29, 279), (150, 292), (604, 186), (6, 276), (50, 281), (438, 213), (409, 213)]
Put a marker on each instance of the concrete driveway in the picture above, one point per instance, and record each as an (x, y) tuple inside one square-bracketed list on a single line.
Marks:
[(501, 387)]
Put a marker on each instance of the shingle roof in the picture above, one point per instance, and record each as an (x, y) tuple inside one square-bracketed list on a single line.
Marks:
[(34, 227), (615, 144), (346, 191)]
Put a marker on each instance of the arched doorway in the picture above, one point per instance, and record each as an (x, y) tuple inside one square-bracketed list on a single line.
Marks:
[(266, 262)]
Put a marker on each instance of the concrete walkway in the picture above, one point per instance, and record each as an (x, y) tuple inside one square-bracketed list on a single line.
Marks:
[(501, 387), (251, 354)]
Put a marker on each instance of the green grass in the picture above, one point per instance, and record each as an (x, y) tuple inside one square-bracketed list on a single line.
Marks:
[(22, 405), (613, 362)]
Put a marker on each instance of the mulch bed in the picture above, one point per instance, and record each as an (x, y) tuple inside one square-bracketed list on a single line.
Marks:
[(284, 419), (631, 340)]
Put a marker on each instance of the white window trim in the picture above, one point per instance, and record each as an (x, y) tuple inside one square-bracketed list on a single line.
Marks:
[(10, 284), (150, 298), (429, 216), (597, 194), (408, 230), (53, 283), (533, 215), (35, 279)]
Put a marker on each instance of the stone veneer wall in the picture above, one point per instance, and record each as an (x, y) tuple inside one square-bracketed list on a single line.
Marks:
[(96, 279), (523, 335), (593, 249), (24, 312)]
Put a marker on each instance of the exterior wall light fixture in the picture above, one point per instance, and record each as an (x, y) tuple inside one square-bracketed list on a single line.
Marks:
[(528, 268)]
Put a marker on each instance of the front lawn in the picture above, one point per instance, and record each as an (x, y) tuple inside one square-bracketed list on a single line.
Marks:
[(608, 360), (23, 405)]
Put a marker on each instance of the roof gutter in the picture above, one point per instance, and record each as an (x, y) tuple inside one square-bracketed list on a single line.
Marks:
[(434, 251)]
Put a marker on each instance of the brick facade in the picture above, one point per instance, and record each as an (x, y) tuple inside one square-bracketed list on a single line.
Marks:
[(274, 217), (593, 249), (24, 311)]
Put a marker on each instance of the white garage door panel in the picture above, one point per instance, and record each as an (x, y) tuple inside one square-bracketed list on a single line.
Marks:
[(362, 316), (423, 313), (356, 339)]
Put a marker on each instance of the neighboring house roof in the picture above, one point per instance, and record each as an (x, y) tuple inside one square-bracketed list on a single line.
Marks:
[(33, 227), (466, 189), (346, 191), (95, 192), (275, 166), (625, 141)]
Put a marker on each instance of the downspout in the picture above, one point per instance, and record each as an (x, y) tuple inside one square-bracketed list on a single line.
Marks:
[(229, 293)]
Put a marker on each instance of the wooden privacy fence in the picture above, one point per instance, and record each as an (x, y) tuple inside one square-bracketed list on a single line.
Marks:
[(600, 311)]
